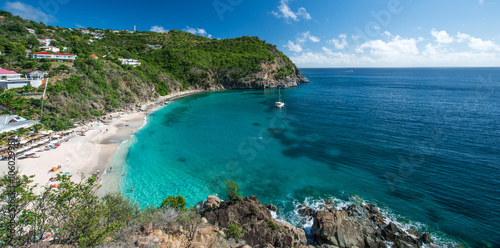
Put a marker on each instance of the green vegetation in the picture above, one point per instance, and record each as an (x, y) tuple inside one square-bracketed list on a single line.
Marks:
[(232, 190), (88, 87), (73, 214), (175, 202), (273, 225), (234, 231)]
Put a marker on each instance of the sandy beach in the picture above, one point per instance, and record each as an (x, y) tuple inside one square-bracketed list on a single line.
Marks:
[(85, 155)]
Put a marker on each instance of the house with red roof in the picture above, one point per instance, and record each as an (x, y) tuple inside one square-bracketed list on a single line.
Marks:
[(11, 79), (47, 55), (94, 56), (30, 30)]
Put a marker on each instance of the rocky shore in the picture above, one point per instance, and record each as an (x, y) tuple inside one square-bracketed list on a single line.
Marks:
[(248, 223)]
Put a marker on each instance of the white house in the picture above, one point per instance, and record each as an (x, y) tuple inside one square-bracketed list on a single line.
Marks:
[(11, 79), (51, 49), (45, 42), (132, 62), (30, 30), (13, 122), (37, 78), (47, 55), (85, 31)]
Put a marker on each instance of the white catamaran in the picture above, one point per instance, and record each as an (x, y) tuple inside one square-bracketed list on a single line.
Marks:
[(279, 103)]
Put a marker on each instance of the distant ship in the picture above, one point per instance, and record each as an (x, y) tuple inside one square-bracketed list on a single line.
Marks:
[(279, 103)]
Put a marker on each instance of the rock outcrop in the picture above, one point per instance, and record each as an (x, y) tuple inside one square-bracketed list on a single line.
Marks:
[(355, 226), (259, 228), (360, 226)]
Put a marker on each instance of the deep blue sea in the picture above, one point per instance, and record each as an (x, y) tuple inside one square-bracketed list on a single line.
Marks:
[(423, 144)]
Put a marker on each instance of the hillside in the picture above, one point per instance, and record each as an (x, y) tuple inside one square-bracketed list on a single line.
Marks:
[(170, 62)]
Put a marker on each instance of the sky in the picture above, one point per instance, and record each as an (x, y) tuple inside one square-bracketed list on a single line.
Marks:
[(313, 33)]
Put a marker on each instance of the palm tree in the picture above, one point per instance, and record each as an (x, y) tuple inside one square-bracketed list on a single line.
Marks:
[(37, 127), (21, 131)]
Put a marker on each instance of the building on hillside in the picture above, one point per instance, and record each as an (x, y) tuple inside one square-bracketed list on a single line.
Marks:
[(30, 30), (37, 78), (132, 62), (47, 55), (13, 122), (85, 31), (45, 42), (156, 46), (12, 79), (50, 49), (94, 56), (49, 30)]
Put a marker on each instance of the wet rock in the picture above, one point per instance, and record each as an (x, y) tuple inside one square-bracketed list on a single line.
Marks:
[(393, 228), (337, 228), (271, 207), (425, 238), (307, 211)]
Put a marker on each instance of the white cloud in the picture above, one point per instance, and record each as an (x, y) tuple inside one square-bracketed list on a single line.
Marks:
[(397, 51), (197, 31), (286, 13), (442, 36), (297, 48), (387, 33), (340, 44), (484, 46), (28, 12), (301, 39), (461, 37), (158, 29), (79, 25), (481, 1)]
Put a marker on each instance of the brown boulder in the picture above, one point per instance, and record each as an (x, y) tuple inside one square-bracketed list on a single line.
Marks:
[(338, 229), (256, 221), (425, 238), (148, 228), (212, 202)]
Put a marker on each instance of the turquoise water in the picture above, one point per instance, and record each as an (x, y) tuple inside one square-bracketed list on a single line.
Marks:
[(423, 144)]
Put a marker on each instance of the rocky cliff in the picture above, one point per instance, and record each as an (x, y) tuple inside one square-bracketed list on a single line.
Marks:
[(248, 223)]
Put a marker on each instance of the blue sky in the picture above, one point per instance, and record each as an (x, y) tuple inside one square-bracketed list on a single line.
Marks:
[(314, 33)]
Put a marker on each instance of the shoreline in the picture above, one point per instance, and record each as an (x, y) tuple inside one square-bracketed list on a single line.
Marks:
[(85, 155)]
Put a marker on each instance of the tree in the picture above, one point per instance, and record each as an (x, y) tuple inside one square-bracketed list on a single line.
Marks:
[(72, 212), (191, 221), (32, 41), (21, 131), (45, 66), (175, 202), (36, 128), (232, 190)]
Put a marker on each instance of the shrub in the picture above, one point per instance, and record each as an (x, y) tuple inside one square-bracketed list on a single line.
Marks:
[(175, 202), (234, 231), (273, 225), (232, 190)]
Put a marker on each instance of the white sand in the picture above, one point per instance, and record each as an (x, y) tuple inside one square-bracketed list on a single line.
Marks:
[(86, 154)]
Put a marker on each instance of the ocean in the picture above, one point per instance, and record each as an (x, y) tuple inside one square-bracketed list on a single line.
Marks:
[(423, 144)]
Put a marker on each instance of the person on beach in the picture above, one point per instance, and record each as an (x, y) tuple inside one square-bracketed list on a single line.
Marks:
[(123, 173), (97, 171)]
